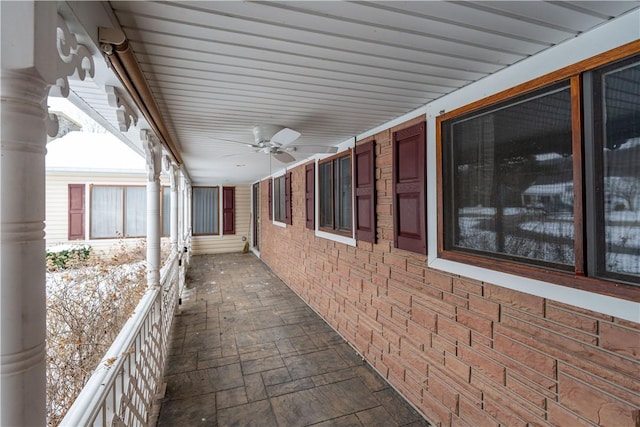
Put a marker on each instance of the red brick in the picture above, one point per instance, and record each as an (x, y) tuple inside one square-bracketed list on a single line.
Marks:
[(508, 314), (439, 280), (423, 316), (504, 415), (474, 415), (570, 350), (477, 361), (475, 322), (398, 294), (614, 389), (443, 308), (519, 300), (443, 393), (457, 300), (442, 344), (485, 307), (457, 367), (594, 405), (621, 340), (526, 355), (461, 386), (561, 416), (454, 330), (435, 411), (477, 338), (419, 333), (394, 363), (395, 261), (469, 286), (584, 311), (525, 392), (572, 319)]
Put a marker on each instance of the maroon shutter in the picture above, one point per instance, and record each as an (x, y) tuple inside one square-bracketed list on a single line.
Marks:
[(309, 195), (76, 212), (270, 198), (365, 191), (287, 199), (228, 210), (409, 189)]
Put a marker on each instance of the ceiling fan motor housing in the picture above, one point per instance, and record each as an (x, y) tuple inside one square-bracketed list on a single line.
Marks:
[(263, 133)]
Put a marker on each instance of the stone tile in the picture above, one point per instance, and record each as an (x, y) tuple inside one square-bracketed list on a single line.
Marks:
[(319, 362), (262, 364), (181, 363), (246, 351), (399, 408), (275, 376), (370, 378), (231, 397), (194, 411), (346, 421), (376, 417), (322, 403), (227, 376), (252, 414), (254, 387), (289, 387)]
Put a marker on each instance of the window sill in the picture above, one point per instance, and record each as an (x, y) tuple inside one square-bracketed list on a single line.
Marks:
[(336, 238), (279, 223), (613, 305)]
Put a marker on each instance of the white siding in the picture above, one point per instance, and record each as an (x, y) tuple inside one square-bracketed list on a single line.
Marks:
[(229, 243), (57, 203)]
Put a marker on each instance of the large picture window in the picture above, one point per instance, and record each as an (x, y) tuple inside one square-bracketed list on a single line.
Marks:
[(335, 198), (524, 181), (118, 211), (206, 211)]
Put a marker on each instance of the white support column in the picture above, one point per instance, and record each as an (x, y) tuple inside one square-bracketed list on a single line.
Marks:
[(172, 168), (153, 155), (34, 40)]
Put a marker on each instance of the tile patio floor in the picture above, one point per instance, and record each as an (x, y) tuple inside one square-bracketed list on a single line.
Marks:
[(246, 351)]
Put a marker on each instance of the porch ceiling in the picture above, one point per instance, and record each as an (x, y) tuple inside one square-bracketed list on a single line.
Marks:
[(330, 70)]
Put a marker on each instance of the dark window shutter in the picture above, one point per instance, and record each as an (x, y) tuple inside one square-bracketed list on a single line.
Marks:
[(287, 199), (76, 212), (365, 192), (409, 189), (270, 199), (309, 195), (228, 210)]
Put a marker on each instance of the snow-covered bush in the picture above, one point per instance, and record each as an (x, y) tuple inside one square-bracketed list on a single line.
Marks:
[(87, 305)]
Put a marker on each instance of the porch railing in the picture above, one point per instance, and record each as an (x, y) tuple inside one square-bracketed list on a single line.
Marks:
[(122, 389)]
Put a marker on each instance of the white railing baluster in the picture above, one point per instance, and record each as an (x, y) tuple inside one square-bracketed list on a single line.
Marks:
[(122, 388)]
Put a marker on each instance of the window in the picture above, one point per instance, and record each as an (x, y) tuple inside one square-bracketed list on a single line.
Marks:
[(334, 176), (206, 211), (282, 198), (614, 147), (118, 211), (514, 178), (409, 189)]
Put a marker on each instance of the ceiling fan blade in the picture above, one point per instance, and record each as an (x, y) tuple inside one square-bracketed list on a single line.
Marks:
[(233, 141), (285, 137), (314, 149), (284, 157)]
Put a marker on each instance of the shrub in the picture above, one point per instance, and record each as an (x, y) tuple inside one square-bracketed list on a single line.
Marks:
[(87, 305), (64, 256)]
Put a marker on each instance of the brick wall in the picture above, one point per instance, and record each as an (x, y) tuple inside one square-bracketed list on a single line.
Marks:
[(463, 352)]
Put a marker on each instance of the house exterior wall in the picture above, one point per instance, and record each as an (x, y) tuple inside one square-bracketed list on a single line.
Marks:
[(464, 352), (467, 345), (57, 203), (231, 242)]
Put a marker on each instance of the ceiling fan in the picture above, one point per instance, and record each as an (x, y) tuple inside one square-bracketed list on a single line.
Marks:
[(277, 141)]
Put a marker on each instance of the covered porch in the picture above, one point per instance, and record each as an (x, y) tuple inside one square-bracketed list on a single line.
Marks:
[(246, 350)]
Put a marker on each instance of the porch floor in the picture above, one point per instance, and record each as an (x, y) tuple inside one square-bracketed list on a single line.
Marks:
[(246, 351)]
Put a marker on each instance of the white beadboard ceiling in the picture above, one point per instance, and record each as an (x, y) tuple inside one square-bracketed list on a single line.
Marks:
[(330, 70)]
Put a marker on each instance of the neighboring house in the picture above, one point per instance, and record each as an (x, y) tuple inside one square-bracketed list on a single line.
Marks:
[(96, 194), (96, 191)]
